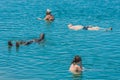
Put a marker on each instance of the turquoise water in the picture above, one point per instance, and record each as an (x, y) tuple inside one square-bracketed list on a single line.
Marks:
[(50, 60)]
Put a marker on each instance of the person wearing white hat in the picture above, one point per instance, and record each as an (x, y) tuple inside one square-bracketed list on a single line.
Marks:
[(49, 16)]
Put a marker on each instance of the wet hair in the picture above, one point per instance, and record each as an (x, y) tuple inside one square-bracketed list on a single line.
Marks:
[(10, 43), (77, 59)]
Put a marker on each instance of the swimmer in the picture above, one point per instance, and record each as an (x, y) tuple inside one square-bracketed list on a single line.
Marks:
[(10, 44), (76, 27), (49, 16), (76, 65), (91, 28)]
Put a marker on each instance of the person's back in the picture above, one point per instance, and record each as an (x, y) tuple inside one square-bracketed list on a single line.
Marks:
[(74, 67), (49, 16)]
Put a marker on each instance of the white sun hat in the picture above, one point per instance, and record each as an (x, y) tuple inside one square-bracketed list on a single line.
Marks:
[(48, 10)]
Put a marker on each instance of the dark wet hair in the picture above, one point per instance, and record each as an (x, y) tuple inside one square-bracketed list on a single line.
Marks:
[(10, 43), (77, 59)]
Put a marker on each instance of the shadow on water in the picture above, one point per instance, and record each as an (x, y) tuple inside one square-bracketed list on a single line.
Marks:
[(9, 49), (48, 23), (77, 76), (42, 43), (17, 49)]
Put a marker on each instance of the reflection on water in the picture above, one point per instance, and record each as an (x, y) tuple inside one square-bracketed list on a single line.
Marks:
[(17, 49), (9, 48), (77, 76)]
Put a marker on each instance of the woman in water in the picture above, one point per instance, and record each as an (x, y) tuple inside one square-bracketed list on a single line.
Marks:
[(49, 16), (76, 65), (91, 28)]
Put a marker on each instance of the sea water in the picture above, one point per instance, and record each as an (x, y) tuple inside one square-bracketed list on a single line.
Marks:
[(50, 59)]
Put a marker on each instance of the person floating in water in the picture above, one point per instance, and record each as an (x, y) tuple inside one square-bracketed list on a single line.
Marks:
[(76, 65), (92, 28), (18, 43), (49, 16)]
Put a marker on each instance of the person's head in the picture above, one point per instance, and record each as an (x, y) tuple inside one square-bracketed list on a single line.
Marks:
[(48, 11), (77, 59)]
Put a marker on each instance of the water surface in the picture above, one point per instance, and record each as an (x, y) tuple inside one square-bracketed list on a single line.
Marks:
[(50, 60)]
